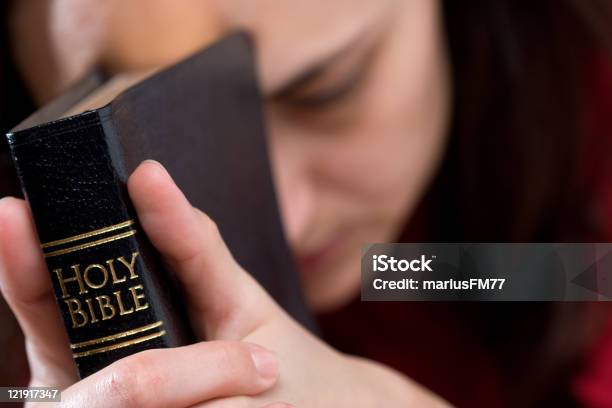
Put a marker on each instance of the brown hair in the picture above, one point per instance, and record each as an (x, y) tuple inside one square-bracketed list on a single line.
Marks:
[(513, 170)]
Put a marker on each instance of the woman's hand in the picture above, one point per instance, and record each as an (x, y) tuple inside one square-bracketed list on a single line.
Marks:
[(234, 368)]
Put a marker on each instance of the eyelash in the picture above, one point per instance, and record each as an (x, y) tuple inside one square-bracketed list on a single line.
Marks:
[(328, 97)]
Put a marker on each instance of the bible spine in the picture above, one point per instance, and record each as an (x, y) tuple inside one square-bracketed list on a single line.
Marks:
[(114, 296)]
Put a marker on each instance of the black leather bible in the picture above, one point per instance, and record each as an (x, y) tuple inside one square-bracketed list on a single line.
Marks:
[(201, 118)]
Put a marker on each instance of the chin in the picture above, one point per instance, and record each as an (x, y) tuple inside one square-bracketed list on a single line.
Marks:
[(331, 289)]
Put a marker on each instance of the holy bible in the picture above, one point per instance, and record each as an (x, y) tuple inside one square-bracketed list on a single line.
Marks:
[(202, 118)]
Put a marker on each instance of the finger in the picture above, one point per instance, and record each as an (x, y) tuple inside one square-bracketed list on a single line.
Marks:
[(26, 286), (178, 377), (224, 301)]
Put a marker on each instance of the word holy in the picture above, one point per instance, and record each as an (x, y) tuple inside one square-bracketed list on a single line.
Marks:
[(112, 272), (389, 263)]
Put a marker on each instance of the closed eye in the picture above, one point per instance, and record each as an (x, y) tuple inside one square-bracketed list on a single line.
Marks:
[(330, 81), (312, 96)]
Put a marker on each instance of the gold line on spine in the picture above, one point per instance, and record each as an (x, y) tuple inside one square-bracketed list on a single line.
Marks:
[(88, 234), (116, 335), (90, 244), (119, 345)]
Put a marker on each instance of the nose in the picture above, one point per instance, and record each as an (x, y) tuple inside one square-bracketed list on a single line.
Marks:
[(294, 189)]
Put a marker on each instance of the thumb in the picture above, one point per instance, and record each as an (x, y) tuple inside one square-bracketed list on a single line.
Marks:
[(224, 301)]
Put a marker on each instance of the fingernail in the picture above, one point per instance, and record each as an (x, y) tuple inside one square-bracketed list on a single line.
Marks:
[(6, 199), (156, 163), (265, 362)]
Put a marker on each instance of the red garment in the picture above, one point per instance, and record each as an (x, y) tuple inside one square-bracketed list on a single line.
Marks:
[(426, 341), (593, 386), (431, 343)]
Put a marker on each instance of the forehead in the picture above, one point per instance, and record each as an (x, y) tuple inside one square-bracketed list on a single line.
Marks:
[(72, 36), (296, 31)]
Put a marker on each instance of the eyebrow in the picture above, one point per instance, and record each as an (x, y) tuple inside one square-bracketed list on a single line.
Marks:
[(314, 69)]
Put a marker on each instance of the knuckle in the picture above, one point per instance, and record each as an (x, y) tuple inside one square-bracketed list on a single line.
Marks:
[(134, 380), (209, 225), (235, 363), (120, 385)]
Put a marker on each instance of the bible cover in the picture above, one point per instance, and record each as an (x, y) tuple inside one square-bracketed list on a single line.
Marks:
[(202, 119)]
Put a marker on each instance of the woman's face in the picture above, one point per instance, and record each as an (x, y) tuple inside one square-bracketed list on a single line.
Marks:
[(358, 95)]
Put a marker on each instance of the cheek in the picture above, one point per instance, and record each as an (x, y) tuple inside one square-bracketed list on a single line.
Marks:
[(388, 154), (380, 177)]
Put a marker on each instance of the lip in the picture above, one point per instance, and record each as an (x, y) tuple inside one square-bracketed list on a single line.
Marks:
[(313, 260)]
